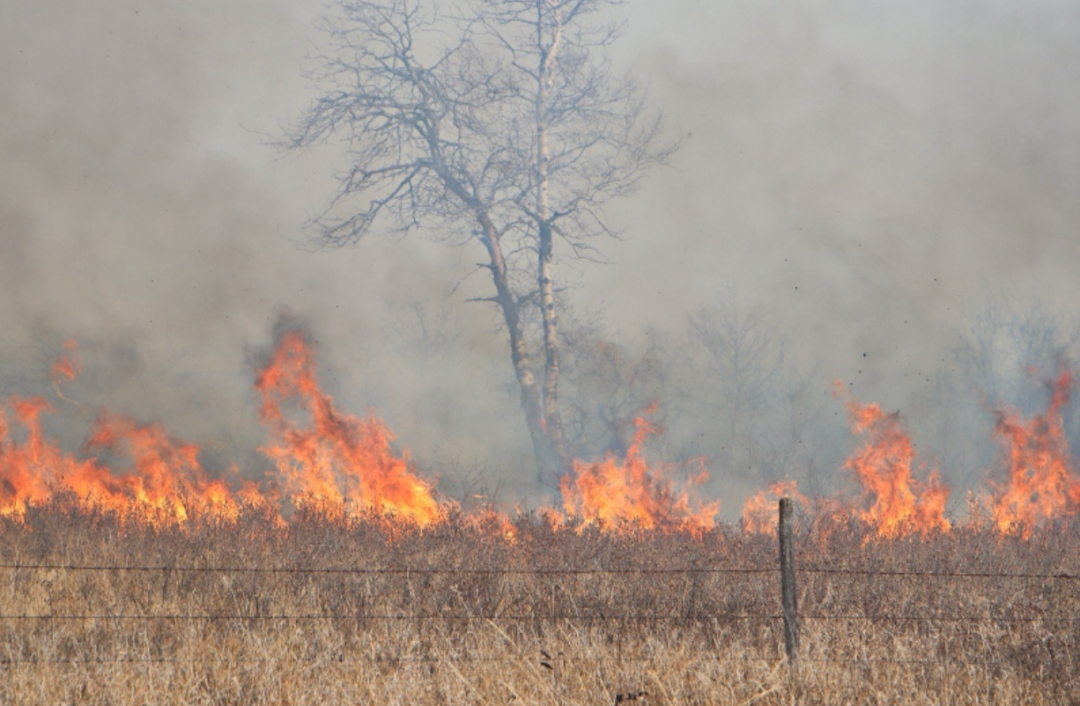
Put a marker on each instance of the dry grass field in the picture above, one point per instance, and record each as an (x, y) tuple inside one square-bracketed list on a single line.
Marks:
[(328, 612)]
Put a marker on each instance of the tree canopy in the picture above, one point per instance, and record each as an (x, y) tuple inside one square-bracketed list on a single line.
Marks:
[(499, 122)]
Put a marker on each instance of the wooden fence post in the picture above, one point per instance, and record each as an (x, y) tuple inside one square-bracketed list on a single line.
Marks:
[(787, 581)]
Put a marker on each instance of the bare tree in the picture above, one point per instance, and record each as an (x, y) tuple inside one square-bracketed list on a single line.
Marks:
[(1010, 348), (497, 122), (744, 361), (608, 385), (1007, 357)]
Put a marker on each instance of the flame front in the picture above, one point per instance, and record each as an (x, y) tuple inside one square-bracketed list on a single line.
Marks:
[(337, 463), (27, 470), (344, 467), (761, 513), (629, 494), (898, 503), (166, 479), (1042, 483), (164, 484)]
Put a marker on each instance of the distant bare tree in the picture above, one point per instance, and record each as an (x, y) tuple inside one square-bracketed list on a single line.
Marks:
[(496, 122), (1008, 356), (743, 366), (425, 330), (608, 385), (1011, 348)]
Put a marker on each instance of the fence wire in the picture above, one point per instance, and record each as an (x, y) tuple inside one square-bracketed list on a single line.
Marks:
[(554, 617), (393, 571), (859, 661), (441, 571), (873, 573), (549, 618)]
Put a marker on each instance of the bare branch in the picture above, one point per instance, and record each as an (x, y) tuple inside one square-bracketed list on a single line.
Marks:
[(497, 122)]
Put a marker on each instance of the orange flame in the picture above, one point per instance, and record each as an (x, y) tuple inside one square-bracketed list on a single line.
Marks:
[(625, 495), (761, 512), (165, 484), (1042, 482), (68, 364), (338, 463), (901, 505), (27, 469), (492, 522), (332, 463), (166, 479)]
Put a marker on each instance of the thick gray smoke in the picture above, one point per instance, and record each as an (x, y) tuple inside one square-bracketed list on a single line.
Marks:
[(860, 181)]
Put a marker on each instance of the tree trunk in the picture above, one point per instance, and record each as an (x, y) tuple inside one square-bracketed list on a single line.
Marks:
[(548, 463), (552, 350), (545, 281)]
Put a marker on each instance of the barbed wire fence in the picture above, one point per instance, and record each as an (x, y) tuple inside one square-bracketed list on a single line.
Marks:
[(785, 618)]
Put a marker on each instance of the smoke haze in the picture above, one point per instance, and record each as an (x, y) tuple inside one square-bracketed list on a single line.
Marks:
[(864, 176)]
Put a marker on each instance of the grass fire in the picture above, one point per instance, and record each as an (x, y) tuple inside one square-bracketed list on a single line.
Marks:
[(344, 559), (334, 464), (539, 353)]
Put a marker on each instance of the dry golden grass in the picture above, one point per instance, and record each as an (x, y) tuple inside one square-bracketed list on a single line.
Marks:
[(485, 628)]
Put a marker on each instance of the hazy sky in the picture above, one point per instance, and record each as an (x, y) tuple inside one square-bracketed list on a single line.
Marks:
[(865, 172)]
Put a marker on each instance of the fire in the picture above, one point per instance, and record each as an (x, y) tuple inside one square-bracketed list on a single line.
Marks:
[(339, 465), (166, 479), (345, 467), (901, 504), (1042, 482), (492, 522), (165, 483), (760, 514), (338, 462), (628, 494), (68, 364), (27, 468)]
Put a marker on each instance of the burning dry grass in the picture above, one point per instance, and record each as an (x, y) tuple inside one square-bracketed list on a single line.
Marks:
[(615, 492), (329, 462), (456, 614), (343, 577), (1042, 480)]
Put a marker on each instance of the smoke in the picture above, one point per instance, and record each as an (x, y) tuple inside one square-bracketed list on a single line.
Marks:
[(867, 171), (862, 175)]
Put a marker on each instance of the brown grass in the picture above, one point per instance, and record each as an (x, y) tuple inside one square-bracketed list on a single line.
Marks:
[(487, 629)]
